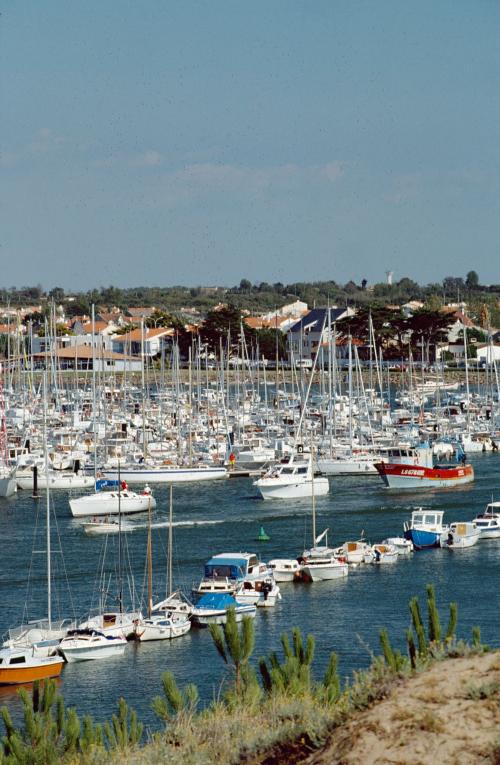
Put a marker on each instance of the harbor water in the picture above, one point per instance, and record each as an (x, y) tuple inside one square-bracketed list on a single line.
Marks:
[(344, 616)]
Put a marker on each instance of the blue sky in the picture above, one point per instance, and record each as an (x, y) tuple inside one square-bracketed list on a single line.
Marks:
[(201, 142)]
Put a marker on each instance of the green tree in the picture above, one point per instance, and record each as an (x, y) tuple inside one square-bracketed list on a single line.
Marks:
[(472, 280)]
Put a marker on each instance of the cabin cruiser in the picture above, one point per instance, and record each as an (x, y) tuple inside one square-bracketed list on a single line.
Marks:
[(488, 522), (292, 479), (285, 569), (226, 572)]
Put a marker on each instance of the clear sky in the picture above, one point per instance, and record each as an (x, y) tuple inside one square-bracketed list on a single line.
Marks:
[(193, 142)]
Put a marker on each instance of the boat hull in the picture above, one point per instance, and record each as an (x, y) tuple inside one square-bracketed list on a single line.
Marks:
[(162, 629), (46, 669), (167, 475), (422, 539), (323, 572), (101, 505), (270, 490), (396, 476), (73, 653)]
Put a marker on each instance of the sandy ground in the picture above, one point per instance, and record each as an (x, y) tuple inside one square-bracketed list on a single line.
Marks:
[(449, 715)]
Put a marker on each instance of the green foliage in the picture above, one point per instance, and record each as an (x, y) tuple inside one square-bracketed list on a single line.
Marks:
[(175, 702), (124, 730), (452, 622), (434, 623), (393, 658), (235, 647)]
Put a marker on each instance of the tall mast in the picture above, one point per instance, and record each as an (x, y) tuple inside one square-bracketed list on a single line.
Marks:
[(169, 546), (150, 562), (47, 494)]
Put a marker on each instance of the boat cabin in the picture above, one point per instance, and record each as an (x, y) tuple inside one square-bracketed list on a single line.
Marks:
[(431, 520), (417, 455), (232, 566)]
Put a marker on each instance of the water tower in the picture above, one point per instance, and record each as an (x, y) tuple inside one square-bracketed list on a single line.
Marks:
[(389, 277)]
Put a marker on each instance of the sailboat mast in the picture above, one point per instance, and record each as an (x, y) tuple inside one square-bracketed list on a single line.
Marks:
[(150, 563), (120, 583), (169, 546), (47, 494)]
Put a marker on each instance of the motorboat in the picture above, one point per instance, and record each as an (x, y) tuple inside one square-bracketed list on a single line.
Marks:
[(402, 545), (460, 535), (18, 665), (488, 522), (285, 569), (226, 572), (212, 608), (292, 479), (425, 528), (89, 644), (354, 552), (383, 554), (263, 593), (103, 525), (413, 468), (123, 501)]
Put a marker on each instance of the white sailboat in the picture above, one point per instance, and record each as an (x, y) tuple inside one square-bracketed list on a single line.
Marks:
[(41, 635), (169, 618)]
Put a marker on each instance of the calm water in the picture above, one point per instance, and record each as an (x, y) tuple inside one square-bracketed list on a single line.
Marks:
[(344, 616)]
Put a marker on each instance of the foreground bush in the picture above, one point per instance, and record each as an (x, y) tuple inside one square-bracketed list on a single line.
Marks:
[(282, 702)]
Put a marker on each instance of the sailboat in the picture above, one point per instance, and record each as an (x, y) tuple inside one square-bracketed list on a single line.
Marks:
[(112, 623), (8, 483), (321, 562), (25, 655), (169, 618)]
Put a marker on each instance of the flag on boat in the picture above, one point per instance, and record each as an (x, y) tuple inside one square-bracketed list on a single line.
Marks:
[(318, 539)]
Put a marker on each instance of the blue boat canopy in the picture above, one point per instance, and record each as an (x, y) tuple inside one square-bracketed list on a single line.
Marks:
[(218, 600), (232, 568)]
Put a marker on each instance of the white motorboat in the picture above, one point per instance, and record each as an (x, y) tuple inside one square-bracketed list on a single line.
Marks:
[(460, 536), (285, 569), (383, 554), (291, 480), (349, 464), (262, 593), (354, 552), (103, 525), (488, 522), (123, 501), (226, 572), (402, 545), (89, 644), (141, 473), (213, 607)]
